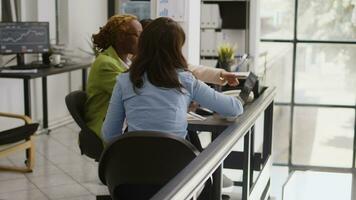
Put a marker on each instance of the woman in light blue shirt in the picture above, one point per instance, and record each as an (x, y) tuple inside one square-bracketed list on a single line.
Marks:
[(156, 92)]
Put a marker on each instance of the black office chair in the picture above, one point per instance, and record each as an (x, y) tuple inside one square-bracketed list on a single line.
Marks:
[(89, 143), (138, 164)]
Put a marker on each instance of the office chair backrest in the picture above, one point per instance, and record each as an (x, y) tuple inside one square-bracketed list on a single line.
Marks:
[(138, 164), (75, 102), (90, 144)]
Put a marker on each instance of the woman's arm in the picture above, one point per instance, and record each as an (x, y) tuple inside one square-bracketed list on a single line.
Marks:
[(214, 75), (115, 116), (226, 106)]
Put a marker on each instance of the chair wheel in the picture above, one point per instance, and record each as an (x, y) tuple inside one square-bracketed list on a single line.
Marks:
[(26, 161)]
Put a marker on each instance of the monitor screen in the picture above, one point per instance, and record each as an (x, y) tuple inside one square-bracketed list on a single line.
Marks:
[(24, 37), (141, 9)]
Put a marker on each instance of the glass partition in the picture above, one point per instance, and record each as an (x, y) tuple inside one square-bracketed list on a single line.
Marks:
[(315, 76), (323, 136), (326, 20), (277, 19)]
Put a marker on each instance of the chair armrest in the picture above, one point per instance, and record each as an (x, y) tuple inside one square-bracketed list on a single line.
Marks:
[(25, 118)]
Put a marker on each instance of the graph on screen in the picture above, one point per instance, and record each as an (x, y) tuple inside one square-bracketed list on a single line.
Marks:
[(24, 37)]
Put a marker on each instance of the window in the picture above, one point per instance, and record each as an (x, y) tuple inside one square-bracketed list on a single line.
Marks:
[(311, 46)]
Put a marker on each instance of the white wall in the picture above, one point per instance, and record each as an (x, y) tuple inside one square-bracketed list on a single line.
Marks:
[(191, 26), (80, 19), (192, 30)]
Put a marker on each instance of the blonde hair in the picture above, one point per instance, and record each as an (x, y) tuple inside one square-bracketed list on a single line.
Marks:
[(107, 35)]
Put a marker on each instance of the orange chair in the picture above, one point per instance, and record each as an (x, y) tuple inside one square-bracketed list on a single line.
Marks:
[(16, 139)]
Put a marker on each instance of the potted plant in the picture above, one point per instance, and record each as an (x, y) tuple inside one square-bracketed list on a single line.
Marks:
[(226, 56)]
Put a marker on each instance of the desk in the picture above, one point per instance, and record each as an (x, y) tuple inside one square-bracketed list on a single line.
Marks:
[(43, 73), (246, 160), (215, 126)]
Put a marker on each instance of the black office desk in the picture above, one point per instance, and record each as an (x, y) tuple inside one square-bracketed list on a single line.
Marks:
[(43, 73), (215, 126), (238, 160)]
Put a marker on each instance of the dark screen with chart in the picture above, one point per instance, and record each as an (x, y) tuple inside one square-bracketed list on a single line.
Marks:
[(24, 37)]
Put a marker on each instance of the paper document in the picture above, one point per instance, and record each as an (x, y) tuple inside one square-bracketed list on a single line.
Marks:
[(194, 116), (242, 75), (234, 93)]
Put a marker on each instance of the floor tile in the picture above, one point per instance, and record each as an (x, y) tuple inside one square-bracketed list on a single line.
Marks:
[(5, 162), (75, 148), (81, 172), (279, 176), (19, 158), (33, 194), (66, 135), (58, 173), (44, 170), (87, 197), (15, 185), (54, 151), (81, 164), (96, 188), (50, 147), (52, 180), (74, 127), (311, 185), (65, 191), (68, 157), (9, 175), (68, 138)]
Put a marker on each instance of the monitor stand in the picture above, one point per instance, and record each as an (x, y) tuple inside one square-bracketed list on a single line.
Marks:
[(20, 58)]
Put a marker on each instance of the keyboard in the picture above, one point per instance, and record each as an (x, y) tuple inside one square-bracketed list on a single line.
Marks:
[(29, 66)]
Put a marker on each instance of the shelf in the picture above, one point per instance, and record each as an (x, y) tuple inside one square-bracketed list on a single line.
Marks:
[(233, 28), (233, 13), (217, 1), (216, 57)]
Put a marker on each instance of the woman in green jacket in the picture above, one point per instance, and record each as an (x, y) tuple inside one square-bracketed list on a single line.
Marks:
[(116, 42)]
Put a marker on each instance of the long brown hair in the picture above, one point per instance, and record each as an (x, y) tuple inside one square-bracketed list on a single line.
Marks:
[(159, 55), (108, 34)]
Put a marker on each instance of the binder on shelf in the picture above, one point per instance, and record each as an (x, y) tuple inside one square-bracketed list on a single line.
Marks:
[(205, 16), (209, 62), (207, 42), (210, 16), (215, 18)]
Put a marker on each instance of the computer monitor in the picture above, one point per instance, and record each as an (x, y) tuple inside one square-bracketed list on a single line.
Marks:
[(141, 9), (24, 37)]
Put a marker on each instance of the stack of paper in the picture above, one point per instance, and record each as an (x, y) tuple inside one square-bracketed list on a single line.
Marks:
[(242, 75), (194, 116)]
